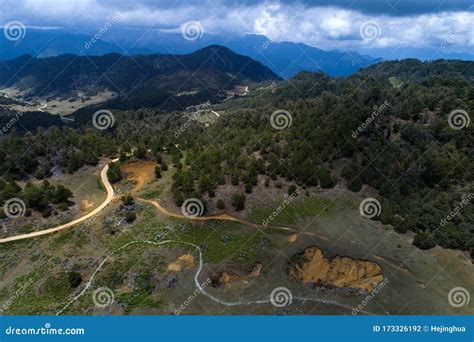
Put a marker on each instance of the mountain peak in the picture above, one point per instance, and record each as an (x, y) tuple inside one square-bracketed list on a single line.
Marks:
[(222, 58), (218, 50)]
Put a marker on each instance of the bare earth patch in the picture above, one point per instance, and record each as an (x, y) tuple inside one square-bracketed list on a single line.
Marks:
[(292, 238), (226, 279), (183, 262), (313, 267), (86, 204), (140, 173)]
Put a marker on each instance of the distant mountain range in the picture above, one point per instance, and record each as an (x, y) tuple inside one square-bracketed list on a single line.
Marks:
[(285, 58), (144, 80)]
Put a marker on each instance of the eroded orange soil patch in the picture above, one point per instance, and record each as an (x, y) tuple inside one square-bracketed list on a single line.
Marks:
[(344, 272), (184, 261), (139, 172)]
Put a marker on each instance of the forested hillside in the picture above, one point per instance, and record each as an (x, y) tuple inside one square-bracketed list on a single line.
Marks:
[(388, 127)]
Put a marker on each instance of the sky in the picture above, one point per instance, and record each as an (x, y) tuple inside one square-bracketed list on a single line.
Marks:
[(338, 24)]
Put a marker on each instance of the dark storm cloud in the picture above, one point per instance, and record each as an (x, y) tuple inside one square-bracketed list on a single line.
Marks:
[(387, 7), (394, 7)]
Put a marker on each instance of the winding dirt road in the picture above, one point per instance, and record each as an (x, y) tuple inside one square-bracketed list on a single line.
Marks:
[(156, 204), (227, 217), (222, 217), (110, 196)]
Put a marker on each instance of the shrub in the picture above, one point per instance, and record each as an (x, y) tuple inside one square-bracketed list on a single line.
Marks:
[(113, 173), (128, 199), (291, 190), (238, 201), (326, 180), (130, 216), (157, 172), (355, 185), (74, 279), (220, 204), (424, 240), (47, 212), (63, 206)]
